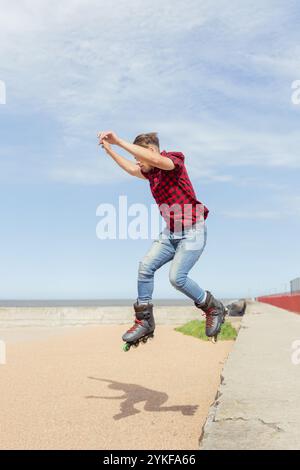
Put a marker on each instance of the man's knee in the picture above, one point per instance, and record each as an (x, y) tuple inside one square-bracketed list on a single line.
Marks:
[(146, 269), (177, 279)]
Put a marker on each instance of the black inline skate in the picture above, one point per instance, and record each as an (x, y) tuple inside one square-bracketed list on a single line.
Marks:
[(143, 327), (215, 313)]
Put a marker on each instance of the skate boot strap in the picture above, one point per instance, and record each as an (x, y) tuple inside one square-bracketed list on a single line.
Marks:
[(210, 312), (209, 321), (136, 323), (209, 317)]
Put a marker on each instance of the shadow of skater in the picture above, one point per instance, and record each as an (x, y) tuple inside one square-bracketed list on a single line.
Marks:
[(136, 393)]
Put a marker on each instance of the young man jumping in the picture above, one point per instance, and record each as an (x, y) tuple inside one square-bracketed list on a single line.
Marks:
[(182, 241)]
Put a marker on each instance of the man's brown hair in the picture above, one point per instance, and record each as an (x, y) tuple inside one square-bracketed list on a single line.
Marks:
[(144, 140)]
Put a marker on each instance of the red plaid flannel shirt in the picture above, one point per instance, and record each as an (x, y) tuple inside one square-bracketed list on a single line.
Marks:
[(174, 194)]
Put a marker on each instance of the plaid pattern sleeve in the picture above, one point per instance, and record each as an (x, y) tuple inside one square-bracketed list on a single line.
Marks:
[(177, 158)]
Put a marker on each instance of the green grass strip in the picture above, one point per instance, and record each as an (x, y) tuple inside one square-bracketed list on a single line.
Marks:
[(196, 328)]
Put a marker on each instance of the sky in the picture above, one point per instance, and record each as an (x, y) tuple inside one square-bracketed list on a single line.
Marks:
[(214, 79)]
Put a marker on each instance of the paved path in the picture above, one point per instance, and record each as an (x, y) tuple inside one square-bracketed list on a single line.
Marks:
[(258, 405), (74, 388)]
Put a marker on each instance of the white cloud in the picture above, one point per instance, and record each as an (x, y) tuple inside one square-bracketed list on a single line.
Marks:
[(284, 65), (212, 145), (194, 71)]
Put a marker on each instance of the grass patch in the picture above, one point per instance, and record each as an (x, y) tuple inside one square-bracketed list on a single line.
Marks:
[(196, 328)]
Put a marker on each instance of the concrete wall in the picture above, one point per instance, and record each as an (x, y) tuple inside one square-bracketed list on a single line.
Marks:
[(18, 316), (289, 302), (68, 316)]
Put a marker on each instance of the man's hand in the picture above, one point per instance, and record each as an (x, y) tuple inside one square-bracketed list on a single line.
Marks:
[(106, 146), (130, 167), (110, 136)]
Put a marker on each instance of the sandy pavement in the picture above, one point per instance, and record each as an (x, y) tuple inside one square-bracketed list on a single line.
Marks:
[(74, 388)]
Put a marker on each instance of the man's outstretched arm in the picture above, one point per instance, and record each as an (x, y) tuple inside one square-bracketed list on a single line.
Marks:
[(143, 154), (147, 156), (130, 167)]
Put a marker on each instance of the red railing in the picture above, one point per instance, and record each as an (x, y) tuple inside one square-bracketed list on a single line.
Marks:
[(287, 301)]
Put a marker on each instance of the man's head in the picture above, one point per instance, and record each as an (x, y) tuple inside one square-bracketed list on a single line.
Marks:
[(149, 141)]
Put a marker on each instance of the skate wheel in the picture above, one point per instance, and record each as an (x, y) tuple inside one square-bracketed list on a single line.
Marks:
[(144, 340), (136, 345), (126, 347)]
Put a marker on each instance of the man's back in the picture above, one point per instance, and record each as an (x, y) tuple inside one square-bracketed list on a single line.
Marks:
[(174, 188)]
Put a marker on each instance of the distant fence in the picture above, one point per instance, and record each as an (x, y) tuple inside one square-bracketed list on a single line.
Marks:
[(287, 301)]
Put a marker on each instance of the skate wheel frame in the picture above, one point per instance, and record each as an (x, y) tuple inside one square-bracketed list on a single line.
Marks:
[(142, 340)]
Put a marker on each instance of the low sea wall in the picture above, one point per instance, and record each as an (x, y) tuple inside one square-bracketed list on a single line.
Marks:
[(72, 316)]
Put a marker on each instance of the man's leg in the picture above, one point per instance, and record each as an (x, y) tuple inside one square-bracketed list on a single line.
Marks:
[(159, 254), (188, 251)]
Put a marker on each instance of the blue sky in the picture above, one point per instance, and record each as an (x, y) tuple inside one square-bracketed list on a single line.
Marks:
[(213, 79)]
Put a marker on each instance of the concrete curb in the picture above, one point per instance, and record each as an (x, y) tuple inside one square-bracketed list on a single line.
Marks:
[(68, 315), (257, 404), (73, 316)]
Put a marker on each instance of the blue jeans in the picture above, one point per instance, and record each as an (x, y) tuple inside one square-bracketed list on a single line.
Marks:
[(184, 249)]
